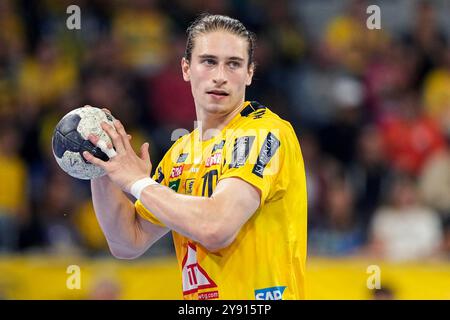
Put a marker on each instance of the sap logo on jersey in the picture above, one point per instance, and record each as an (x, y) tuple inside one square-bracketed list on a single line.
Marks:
[(273, 293)]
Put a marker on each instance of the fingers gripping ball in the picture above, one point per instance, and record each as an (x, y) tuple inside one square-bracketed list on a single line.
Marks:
[(70, 140)]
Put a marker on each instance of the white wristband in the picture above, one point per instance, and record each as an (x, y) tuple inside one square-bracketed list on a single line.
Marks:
[(138, 186)]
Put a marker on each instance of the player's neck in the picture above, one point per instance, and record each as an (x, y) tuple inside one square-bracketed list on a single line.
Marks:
[(211, 124)]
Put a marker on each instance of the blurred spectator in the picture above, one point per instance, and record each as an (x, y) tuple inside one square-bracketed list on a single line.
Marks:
[(273, 84), (338, 138), (13, 186), (425, 41), (339, 233), (314, 177), (387, 75), (410, 136), (437, 92), (435, 181), (56, 213), (45, 77), (6, 93), (170, 99), (105, 56), (286, 34), (310, 88), (349, 39), (446, 242), (91, 236), (143, 31), (12, 38), (369, 174), (405, 229)]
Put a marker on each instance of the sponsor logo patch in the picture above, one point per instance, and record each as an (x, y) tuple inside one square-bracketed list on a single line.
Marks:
[(272, 293), (176, 171), (189, 186), (258, 114), (160, 175), (241, 150), (195, 277), (218, 146), (174, 185), (213, 160), (208, 295), (182, 157), (268, 149)]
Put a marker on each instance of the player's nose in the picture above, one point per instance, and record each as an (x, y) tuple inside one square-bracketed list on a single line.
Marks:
[(219, 77)]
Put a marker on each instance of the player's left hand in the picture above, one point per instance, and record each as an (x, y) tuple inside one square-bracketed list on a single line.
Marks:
[(126, 167)]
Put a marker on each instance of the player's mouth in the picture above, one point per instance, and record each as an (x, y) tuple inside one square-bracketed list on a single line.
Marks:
[(218, 94)]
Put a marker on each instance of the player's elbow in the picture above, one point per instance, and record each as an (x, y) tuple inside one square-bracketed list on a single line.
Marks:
[(124, 253), (216, 238), (214, 245)]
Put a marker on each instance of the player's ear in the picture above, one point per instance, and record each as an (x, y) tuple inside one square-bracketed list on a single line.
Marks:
[(250, 71), (185, 69)]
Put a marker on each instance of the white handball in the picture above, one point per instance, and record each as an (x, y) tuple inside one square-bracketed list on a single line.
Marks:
[(70, 140)]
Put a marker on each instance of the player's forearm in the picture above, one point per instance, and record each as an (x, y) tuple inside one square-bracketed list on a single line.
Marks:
[(115, 214), (198, 218)]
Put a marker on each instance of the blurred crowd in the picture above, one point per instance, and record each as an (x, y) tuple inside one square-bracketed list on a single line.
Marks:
[(371, 109)]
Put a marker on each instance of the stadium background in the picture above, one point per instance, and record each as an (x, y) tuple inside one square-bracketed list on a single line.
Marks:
[(371, 109)]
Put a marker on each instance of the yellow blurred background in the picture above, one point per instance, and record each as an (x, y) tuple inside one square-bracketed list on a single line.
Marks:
[(41, 277)]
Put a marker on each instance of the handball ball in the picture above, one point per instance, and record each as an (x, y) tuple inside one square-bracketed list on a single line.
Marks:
[(70, 140)]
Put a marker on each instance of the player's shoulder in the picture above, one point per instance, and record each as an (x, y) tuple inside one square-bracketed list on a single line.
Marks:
[(258, 116)]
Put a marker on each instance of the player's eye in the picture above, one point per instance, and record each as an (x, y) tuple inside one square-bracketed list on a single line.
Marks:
[(209, 62), (234, 64)]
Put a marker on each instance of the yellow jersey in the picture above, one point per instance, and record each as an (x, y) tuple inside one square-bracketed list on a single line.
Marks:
[(267, 258)]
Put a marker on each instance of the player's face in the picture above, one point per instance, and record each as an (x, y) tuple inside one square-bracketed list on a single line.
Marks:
[(218, 71)]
